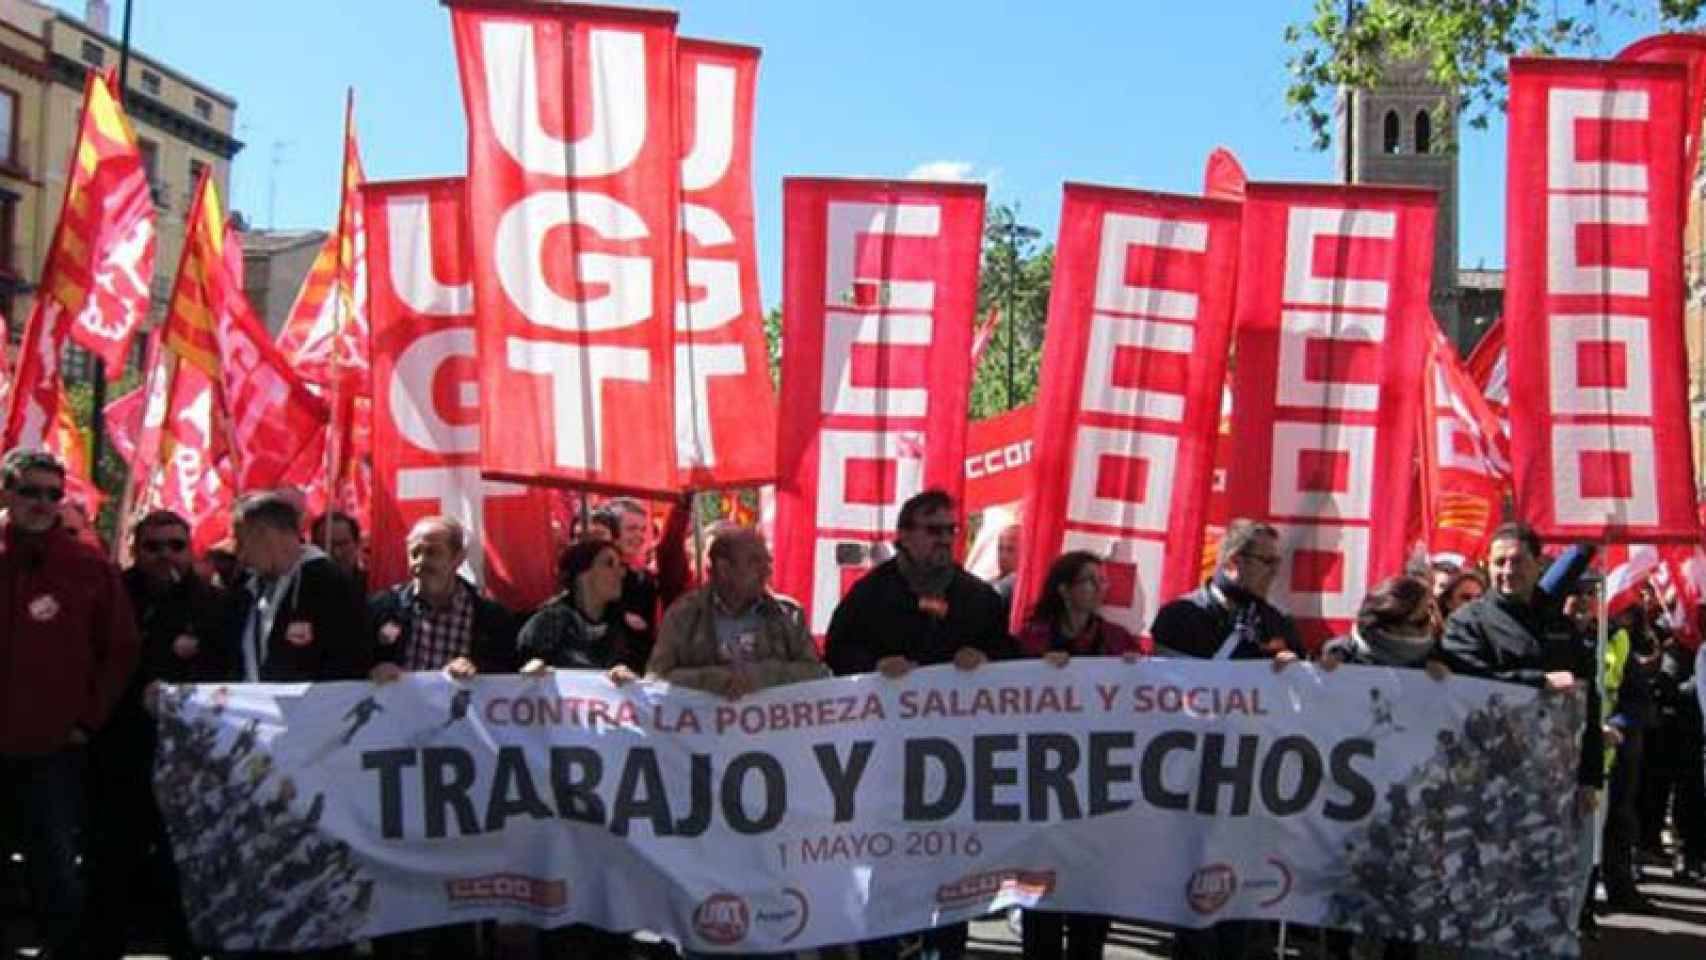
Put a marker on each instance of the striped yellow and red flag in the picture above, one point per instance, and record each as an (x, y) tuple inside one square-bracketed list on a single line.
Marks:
[(102, 258), (200, 291)]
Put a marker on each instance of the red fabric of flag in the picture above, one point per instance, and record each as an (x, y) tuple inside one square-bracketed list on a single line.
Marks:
[(885, 270), (426, 420), (1325, 449), (573, 199), (1594, 299), (1140, 319)]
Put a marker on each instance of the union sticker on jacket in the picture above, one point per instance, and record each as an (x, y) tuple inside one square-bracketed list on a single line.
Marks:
[(44, 608), (300, 633)]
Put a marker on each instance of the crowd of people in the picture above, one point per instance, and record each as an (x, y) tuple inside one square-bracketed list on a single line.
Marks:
[(84, 645)]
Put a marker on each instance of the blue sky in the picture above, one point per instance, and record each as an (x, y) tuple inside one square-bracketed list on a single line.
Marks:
[(1024, 95)]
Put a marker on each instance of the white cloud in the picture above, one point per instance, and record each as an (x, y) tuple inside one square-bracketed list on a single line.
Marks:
[(954, 170)]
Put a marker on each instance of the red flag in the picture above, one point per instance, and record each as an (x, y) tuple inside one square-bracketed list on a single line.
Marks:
[(998, 457), (725, 406), (1464, 476), (985, 332), (576, 325), (879, 293), (1489, 367), (102, 257), (35, 381), (269, 416), (1688, 50), (1598, 366), (124, 415), (426, 420), (1223, 177), (1133, 367), (1623, 583), (1332, 328)]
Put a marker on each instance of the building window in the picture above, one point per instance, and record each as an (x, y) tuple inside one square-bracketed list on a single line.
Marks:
[(196, 167), (8, 237), (1390, 139), (151, 82), (151, 166), (8, 127), (94, 53), (204, 108), (1424, 131)]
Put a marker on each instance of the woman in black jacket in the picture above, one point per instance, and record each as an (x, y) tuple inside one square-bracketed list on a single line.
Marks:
[(581, 627)]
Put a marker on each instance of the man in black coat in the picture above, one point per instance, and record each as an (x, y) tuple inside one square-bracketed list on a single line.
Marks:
[(298, 618), (918, 609), (1229, 618), (132, 873)]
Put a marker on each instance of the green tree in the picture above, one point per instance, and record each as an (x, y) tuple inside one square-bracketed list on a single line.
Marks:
[(1464, 43), (1014, 279)]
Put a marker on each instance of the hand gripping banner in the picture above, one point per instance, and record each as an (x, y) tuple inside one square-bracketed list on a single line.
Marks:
[(1139, 322), (573, 206), (426, 398), (879, 292), (1332, 335), (725, 405), (1594, 298), (850, 809)]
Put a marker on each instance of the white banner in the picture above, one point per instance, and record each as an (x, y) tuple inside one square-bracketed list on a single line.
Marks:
[(1184, 792)]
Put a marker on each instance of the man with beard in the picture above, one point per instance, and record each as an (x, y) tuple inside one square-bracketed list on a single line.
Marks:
[(68, 639), (178, 616), (917, 609)]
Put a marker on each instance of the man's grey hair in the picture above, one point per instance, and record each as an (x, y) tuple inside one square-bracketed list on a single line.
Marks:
[(456, 533), (1240, 534), (271, 509), (22, 460)]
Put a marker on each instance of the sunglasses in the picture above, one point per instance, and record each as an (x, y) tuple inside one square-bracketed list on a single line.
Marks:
[(32, 492), (161, 546), (940, 529)]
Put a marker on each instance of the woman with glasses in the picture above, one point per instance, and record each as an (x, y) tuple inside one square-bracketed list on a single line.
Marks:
[(1066, 623)]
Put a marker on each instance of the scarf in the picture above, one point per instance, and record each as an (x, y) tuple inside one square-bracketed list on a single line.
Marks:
[(1392, 648)]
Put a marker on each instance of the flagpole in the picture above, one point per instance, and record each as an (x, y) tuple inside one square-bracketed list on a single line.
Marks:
[(98, 399), (339, 279)]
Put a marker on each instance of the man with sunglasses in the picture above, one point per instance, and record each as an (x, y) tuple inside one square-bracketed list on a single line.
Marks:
[(918, 609), (68, 646), (178, 615)]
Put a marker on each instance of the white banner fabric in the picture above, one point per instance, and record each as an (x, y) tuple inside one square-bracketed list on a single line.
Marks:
[(1185, 792)]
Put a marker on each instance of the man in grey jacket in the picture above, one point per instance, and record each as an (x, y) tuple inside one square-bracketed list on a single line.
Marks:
[(733, 636)]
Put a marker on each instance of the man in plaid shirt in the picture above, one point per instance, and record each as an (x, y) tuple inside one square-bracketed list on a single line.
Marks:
[(436, 620)]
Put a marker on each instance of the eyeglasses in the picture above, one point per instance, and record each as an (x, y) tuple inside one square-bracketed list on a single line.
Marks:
[(32, 492), (1265, 559), (161, 546)]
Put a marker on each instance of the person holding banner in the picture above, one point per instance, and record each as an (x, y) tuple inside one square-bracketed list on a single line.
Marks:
[(437, 620), (581, 628), (1229, 618), (71, 644), (919, 608), (733, 636), (1065, 623), (178, 616)]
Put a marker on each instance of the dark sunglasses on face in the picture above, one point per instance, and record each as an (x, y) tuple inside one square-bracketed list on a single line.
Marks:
[(32, 492), (940, 529), (160, 546)]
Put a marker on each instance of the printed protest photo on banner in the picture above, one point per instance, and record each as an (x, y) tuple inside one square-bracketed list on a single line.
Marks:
[(879, 295), (1598, 362), (849, 809), (426, 412), (576, 241), (1140, 317), (1333, 326)]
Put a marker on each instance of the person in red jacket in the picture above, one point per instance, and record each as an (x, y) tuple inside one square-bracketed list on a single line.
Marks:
[(68, 645)]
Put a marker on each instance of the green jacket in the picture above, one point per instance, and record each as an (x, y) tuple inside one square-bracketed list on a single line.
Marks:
[(687, 652)]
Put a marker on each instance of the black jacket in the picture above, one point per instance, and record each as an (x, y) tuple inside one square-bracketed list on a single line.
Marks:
[(319, 633), (880, 617), (1198, 623), (493, 645), (1499, 639), (556, 634), (192, 607)]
